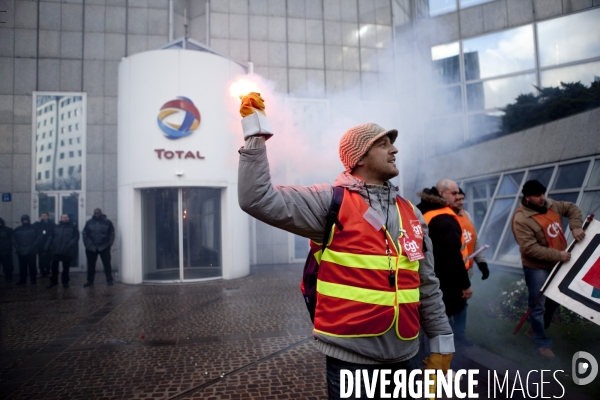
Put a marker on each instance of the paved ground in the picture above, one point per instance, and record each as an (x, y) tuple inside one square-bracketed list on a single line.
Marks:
[(244, 339)]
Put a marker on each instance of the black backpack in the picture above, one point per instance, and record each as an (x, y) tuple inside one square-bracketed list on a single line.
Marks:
[(308, 286)]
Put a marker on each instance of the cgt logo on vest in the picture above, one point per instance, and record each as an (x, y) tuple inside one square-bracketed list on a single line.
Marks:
[(189, 115), (553, 229)]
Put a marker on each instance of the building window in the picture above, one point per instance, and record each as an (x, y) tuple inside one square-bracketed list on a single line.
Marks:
[(60, 172), (40, 160), (51, 120), (70, 141), (42, 148), (62, 156), (47, 174), (71, 154), (62, 142), (39, 176), (79, 153), (71, 170), (48, 158), (62, 129), (70, 126), (78, 139), (50, 134), (49, 145)]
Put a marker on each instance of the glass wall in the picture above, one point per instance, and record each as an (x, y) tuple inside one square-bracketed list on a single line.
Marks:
[(490, 71), (439, 7), (493, 200)]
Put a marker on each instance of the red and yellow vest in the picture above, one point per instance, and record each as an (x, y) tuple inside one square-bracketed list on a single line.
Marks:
[(429, 215), (469, 236), (354, 295)]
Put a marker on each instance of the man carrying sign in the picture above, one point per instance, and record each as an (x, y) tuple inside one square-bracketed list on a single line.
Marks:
[(538, 231)]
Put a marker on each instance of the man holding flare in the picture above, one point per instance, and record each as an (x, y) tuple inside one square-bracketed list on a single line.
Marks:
[(376, 285)]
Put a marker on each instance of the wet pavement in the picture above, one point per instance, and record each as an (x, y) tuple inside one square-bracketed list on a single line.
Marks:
[(248, 338)]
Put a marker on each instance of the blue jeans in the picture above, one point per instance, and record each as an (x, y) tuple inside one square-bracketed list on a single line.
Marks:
[(458, 322), (334, 366), (541, 315)]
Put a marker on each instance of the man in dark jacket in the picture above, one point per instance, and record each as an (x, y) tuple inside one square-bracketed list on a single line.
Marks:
[(44, 228), (98, 237), (25, 241), (446, 235), (62, 243), (6, 238)]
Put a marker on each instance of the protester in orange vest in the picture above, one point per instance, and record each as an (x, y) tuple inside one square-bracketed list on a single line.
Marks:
[(537, 227), (459, 320), (376, 286), (449, 250), (470, 237)]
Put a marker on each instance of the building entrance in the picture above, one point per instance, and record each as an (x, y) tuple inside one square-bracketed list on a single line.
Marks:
[(56, 204), (181, 234)]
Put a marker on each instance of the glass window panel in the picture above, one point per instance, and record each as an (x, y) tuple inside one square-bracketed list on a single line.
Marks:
[(448, 100), (480, 208), (446, 63), (582, 41), (571, 197), (590, 204), (511, 183), (570, 176), (595, 176), (499, 53), (495, 224), (484, 124), (481, 189), (201, 233), (48, 108), (509, 252), (438, 7), (469, 3), (584, 73), (160, 234), (543, 175), (498, 93)]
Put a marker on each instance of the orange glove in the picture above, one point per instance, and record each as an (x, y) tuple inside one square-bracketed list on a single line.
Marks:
[(437, 361), (252, 102)]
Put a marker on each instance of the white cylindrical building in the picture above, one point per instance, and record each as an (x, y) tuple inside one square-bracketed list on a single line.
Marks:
[(179, 218)]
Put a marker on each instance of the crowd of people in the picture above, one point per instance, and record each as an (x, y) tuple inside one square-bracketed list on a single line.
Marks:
[(42, 246), (394, 279)]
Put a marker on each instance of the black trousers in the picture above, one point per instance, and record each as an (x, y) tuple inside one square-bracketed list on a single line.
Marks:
[(92, 257), (27, 265), (7, 266), (66, 262), (44, 262)]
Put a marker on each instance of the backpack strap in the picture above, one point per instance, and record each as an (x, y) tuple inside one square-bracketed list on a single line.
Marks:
[(332, 214)]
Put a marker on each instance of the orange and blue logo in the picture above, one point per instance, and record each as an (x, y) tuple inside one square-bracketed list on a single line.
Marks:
[(191, 119)]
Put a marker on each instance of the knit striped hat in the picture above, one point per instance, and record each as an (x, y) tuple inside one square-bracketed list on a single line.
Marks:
[(357, 141)]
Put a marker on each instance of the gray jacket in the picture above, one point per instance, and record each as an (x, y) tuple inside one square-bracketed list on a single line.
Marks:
[(301, 210)]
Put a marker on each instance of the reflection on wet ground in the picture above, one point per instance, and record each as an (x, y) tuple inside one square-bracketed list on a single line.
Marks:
[(245, 338)]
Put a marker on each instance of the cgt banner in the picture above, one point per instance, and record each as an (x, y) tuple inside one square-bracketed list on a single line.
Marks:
[(577, 283)]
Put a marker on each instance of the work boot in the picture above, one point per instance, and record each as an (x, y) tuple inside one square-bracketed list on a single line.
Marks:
[(546, 352), (88, 284)]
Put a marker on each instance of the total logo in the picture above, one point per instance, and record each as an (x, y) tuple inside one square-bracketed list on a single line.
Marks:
[(173, 130), (191, 118)]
